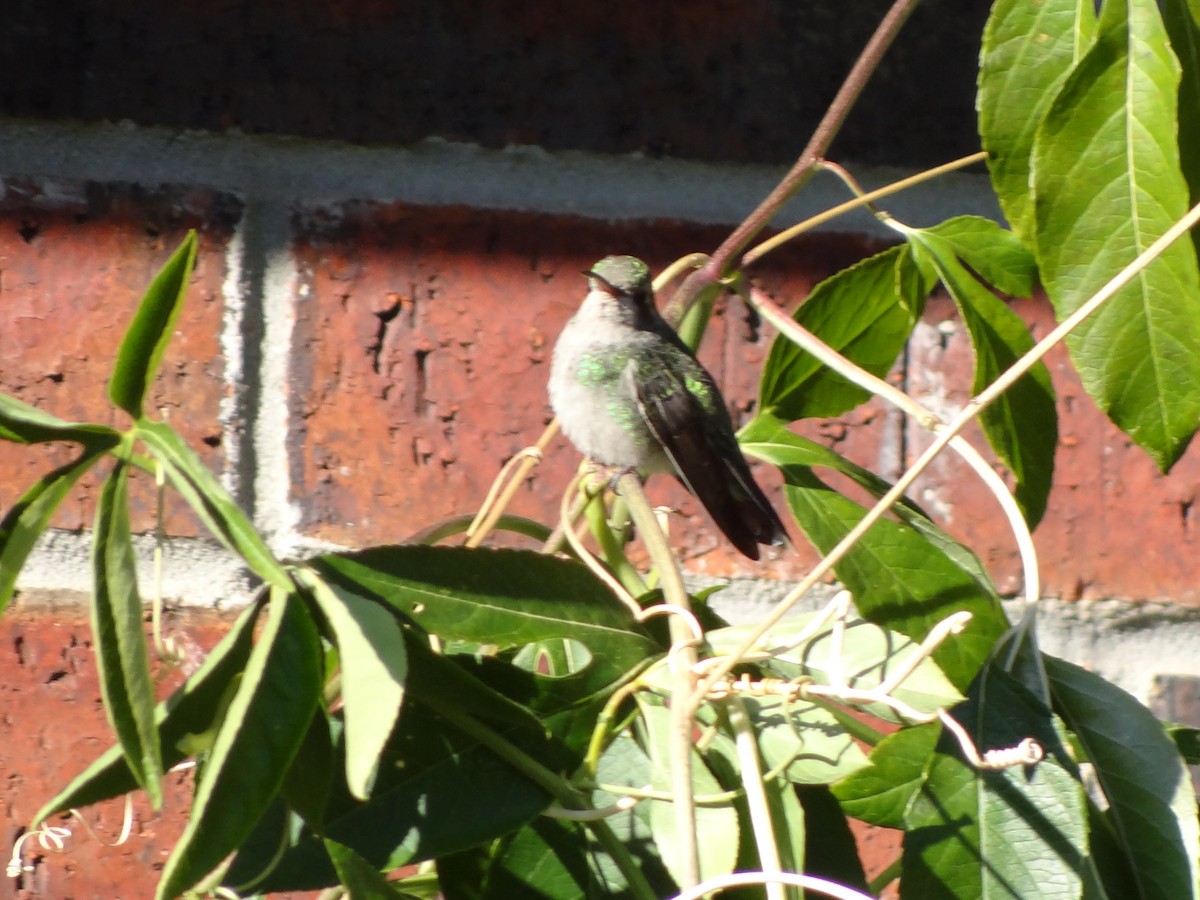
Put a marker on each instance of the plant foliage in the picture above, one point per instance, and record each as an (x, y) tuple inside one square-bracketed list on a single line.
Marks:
[(427, 717)]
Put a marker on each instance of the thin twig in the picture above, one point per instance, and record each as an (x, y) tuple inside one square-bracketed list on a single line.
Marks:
[(722, 260), (864, 199), (530, 457)]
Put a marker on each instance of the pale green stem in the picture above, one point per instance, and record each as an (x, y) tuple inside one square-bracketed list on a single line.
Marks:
[(684, 653), (756, 796), (861, 199)]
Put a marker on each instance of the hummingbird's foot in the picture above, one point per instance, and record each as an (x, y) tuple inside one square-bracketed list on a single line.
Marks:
[(617, 475)]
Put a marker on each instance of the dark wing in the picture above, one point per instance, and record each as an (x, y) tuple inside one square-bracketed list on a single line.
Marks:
[(686, 413)]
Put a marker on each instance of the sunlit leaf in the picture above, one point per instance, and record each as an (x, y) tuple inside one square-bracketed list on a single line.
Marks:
[(1028, 50), (859, 313), (186, 722), (121, 653), (28, 518), (148, 334), (262, 730), (1107, 184), (374, 667)]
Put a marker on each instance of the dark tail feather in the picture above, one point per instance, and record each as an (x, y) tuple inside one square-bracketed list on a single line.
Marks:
[(746, 517)]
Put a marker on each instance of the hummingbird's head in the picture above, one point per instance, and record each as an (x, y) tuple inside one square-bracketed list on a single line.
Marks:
[(621, 276)]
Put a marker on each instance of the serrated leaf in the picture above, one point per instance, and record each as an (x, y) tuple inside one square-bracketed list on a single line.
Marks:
[(996, 255), (144, 343), (28, 518), (507, 598), (883, 791), (545, 859), (1022, 424), (1028, 50), (25, 424), (121, 654), (1107, 183), (181, 719), (209, 499), (1152, 806), (261, 732), (374, 667), (1019, 832), (907, 575), (857, 312)]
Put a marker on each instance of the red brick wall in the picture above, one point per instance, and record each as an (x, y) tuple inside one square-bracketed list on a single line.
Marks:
[(417, 366)]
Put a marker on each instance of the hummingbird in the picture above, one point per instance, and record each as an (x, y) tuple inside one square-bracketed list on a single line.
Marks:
[(629, 393)]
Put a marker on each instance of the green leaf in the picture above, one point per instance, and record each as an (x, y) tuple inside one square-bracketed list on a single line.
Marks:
[(505, 598), (205, 494), (1107, 183), (374, 666), (261, 732), (861, 656), (997, 256), (883, 791), (1152, 806), (121, 653), (717, 832), (24, 523), (803, 741), (1182, 21), (625, 763), (308, 784), (906, 576), (183, 720), (1018, 833), (1022, 424), (1028, 50), (437, 792), (25, 424), (859, 313), (547, 858), (363, 880), (143, 345)]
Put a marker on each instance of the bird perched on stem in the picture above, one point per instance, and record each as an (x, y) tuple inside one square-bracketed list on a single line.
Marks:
[(629, 393)]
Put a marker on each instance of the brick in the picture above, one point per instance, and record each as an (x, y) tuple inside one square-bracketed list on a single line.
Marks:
[(1115, 526), (52, 725), (75, 258), (422, 344)]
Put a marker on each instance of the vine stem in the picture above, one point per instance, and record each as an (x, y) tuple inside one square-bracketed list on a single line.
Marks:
[(972, 409), (683, 642), (863, 199)]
